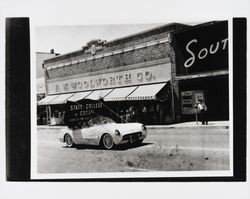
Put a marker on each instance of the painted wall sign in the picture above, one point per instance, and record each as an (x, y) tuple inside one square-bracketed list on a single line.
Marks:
[(202, 48), (204, 52), (152, 74)]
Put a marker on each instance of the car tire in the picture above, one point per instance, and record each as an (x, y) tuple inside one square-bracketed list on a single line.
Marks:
[(107, 141), (138, 142), (69, 141)]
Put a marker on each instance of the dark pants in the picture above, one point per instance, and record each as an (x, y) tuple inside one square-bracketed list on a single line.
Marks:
[(203, 116), (145, 118)]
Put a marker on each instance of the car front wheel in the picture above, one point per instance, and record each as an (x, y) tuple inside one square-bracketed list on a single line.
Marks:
[(107, 141), (139, 141), (69, 140)]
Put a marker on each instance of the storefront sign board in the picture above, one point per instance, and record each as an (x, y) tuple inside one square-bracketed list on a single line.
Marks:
[(202, 48), (139, 76)]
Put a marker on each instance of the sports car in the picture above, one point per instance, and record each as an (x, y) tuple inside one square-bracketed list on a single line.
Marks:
[(105, 132)]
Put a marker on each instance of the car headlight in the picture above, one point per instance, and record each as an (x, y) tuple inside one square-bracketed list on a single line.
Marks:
[(117, 132), (143, 127)]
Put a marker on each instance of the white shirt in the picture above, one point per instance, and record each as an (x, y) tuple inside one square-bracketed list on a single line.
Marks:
[(202, 106)]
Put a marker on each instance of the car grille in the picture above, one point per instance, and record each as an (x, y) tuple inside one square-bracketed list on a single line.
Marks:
[(133, 136)]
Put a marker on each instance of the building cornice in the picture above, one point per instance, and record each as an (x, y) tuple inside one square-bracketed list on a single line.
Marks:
[(106, 54)]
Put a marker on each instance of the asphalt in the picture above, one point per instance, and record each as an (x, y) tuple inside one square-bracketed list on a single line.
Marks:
[(211, 125)]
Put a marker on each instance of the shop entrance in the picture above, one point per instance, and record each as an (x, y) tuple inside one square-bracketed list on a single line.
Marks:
[(149, 112), (216, 95)]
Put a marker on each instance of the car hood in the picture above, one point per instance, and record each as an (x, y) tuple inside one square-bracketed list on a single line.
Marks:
[(124, 128)]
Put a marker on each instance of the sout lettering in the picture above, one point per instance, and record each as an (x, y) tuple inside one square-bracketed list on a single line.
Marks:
[(203, 53)]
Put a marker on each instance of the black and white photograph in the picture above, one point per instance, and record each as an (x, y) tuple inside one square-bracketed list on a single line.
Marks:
[(133, 100), (138, 99)]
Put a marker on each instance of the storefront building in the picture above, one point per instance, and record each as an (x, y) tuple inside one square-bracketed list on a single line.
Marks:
[(202, 69), (40, 83), (135, 76)]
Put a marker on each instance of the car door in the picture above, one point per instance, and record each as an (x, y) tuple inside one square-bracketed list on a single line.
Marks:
[(89, 134), (95, 130), (86, 135), (93, 134)]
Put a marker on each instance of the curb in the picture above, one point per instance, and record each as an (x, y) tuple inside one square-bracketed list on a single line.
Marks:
[(187, 127), (153, 127), (51, 127)]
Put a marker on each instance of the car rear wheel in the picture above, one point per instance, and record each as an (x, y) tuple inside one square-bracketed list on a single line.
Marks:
[(69, 140), (107, 141)]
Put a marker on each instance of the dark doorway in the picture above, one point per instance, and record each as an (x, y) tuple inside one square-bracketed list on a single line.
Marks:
[(216, 91)]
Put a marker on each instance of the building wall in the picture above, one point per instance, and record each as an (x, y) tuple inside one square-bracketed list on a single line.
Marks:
[(201, 53), (150, 53), (73, 64), (40, 85)]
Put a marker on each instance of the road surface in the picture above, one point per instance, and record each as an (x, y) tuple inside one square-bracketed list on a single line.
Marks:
[(177, 149)]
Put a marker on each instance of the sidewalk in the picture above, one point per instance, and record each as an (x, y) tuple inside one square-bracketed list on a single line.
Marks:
[(211, 124)]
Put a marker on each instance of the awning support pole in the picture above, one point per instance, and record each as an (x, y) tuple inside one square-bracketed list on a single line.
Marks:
[(47, 114), (173, 104)]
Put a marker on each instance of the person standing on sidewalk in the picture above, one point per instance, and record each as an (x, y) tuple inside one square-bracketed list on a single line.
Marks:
[(203, 111)]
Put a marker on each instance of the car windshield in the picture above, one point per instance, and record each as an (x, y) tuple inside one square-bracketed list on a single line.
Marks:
[(99, 121)]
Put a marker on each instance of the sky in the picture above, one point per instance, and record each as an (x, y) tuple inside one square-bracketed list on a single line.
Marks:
[(65, 39)]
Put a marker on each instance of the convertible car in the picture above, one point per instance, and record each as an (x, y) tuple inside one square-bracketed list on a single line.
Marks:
[(104, 132)]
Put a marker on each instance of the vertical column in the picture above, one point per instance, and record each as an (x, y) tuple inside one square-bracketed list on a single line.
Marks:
[(47, 114), (172, 100), (49, 108)]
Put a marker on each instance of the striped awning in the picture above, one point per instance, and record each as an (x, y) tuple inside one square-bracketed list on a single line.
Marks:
[(62, 99), (98, 94), (47, 99), (78, 96), (119, 94), (146, 92)]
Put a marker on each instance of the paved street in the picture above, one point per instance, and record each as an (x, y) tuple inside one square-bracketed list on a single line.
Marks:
[(176, 149)]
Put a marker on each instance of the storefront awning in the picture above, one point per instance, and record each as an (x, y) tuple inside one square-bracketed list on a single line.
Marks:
[(79, 96), (98, 94), (47, 99), (62, 99), (119, 94), (146, 92)]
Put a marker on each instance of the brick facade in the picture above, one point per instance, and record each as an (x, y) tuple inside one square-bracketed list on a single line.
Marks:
[(150, 53)]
